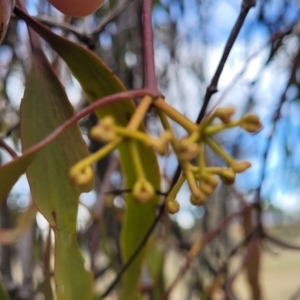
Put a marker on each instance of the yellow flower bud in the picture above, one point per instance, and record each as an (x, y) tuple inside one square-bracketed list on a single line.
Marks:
[(210, 179), (227, 176), (239, 167), (251, 118), (199, 200), (143, 191), (186, 150), (224, 114), (108, 122), (251, 123), (104, 130), (251, 127), (206, 188), (97, 132), (172, 206), (82, 177)]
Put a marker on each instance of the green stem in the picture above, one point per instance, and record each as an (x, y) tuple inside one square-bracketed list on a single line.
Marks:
[(176, 116), (137, 163), (219, 150), (213, 129), (176, 187), (140, 113), (97, 155)]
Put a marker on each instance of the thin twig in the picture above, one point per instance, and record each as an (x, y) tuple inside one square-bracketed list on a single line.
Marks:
[(281, 243), (233, 252), (251, 247), (207, 237), (274, 37), (276, 117), (51, 22), (116, 10), (135, 253), (8, 149), (98, 210), (101, 272), (212, 88), (12, 129)]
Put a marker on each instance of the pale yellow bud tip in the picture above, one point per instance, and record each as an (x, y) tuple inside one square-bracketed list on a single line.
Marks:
[(225, 114), (143, 191), (108, 122), (207, 188), (251, 123), (227, 176), (104, 130), (209, 178), (172, 206), (82, 177), (239, 167), (198, 200), (97, 132), (187, 151)]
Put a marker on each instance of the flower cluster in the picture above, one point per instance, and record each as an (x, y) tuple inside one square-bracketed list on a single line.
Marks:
[(202, 180)]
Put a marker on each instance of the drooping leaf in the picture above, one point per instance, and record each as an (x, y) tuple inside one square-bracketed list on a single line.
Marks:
[(10, 173), (44, 107), (98, 81), (24, 222)]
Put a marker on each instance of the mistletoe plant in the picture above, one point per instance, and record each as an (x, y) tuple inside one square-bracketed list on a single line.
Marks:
[(59, 168)]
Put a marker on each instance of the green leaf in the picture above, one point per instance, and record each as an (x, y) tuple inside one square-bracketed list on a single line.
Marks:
[(10, 173), (98, 81), (156, 260), (44, 107)]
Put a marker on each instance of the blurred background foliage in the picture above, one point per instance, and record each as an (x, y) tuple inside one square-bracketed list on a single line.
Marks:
[(262, 75)]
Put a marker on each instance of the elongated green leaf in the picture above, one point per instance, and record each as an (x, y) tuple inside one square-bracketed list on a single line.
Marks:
[(10, 173), (97, 81), (44, 107), (156, 261)]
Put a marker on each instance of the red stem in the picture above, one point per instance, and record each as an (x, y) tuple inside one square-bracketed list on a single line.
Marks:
[(148, 49), (99, 103)]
